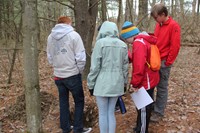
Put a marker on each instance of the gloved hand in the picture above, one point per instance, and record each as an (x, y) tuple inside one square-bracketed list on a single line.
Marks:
[(91, 91), (125, 88)]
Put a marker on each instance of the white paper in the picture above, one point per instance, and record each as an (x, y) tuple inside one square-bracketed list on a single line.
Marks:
[(141, 98)]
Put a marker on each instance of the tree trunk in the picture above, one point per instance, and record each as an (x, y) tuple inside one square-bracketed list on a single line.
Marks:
[(143, 12), (198, 4), (120, 15), (172, 8), (85, 20), (31, 77), (129, 11), (17, 41), (152, 3), (103, 10), (1, 18), (162, 1), (182, 9), (194, 14)]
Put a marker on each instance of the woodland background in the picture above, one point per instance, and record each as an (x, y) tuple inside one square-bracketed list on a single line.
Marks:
[(28, 96)]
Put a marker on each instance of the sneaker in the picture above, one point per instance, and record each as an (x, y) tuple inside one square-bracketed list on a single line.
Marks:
[(155, 117), (87, 130), (71, 127)]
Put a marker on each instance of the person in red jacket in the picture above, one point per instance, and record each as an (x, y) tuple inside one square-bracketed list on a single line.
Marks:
[(142, 75), (168, 35)]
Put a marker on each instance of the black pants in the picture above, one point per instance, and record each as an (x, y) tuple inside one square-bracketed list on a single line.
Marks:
[(141, 114)]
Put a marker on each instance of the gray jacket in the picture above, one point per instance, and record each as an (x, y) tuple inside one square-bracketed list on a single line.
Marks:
[(65, 51)]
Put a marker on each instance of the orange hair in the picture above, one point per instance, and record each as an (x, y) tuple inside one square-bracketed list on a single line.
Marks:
[(64, 19)]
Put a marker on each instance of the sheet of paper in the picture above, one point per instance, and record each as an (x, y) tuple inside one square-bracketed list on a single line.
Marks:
[(141, 98)]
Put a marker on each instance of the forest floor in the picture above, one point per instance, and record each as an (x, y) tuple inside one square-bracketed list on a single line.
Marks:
[(182, 114)]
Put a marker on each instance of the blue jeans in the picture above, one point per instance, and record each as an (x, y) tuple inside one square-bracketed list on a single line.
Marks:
[(107, 120), (74, 85)]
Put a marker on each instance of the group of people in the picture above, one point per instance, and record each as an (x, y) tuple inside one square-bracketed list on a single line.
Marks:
[(109, 69)]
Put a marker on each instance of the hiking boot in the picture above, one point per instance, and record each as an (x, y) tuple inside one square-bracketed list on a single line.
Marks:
[(156, 117), (87, 130)]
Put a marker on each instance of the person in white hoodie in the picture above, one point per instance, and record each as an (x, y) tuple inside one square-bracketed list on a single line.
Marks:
[(66, 53)]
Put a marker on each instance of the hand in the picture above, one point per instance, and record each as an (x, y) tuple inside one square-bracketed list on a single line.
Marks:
[(132, 89), (163, 64), (91, 91), (135, 89)]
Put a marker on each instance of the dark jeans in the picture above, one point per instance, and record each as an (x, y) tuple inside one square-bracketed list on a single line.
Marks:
[(144, 114), (74, 85)]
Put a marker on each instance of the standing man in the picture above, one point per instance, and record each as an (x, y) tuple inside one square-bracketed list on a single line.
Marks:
[(168, 33), (66, 53)]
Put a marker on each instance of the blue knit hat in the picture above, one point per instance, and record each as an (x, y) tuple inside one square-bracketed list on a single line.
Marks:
[(129, 30)]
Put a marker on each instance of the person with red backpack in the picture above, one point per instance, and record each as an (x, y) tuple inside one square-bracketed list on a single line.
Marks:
[(142, 74)]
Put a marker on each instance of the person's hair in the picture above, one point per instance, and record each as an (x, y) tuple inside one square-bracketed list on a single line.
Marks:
[(159, 9), (64, 19)]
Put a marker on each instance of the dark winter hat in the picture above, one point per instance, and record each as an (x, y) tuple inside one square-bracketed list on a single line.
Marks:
[(129, 30)]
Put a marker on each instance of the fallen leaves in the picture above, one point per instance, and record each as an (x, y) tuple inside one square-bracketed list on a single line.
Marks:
[(182, 114)]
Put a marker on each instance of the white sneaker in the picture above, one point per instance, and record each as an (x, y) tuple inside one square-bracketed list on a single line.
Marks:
[(71, 127), (87, 130)]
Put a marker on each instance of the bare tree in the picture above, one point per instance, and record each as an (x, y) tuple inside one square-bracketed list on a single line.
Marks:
[(162, 1), (85, 20), (182, 9), (17, 28), (129, 11), (120, 14), (103, 10), (152, 3), (1, 17), (198, 4), (194, 8), (31, 77), (143, 14)]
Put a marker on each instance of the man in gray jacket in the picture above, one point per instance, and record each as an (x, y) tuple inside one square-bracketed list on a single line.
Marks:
[(66, 53)]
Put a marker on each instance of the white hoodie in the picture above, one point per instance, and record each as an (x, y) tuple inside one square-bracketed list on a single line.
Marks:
[(65, 51)]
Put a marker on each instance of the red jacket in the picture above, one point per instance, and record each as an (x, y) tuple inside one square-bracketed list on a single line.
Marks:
[(168, 40), (142, 75)]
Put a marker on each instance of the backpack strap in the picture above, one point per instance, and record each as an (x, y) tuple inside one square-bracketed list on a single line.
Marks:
[(148, 51)]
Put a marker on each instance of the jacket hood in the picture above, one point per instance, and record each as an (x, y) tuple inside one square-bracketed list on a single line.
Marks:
[(108, 29), (149, 38), (60, 30)]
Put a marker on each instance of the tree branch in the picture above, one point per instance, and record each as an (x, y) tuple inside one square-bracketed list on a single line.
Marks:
[(94, 4), (62, 3), (47, 19)]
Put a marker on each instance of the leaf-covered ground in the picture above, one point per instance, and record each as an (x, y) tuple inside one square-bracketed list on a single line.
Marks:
[(182, 113)]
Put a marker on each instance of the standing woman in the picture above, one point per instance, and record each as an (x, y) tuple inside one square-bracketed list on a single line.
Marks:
[(108, 74)]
